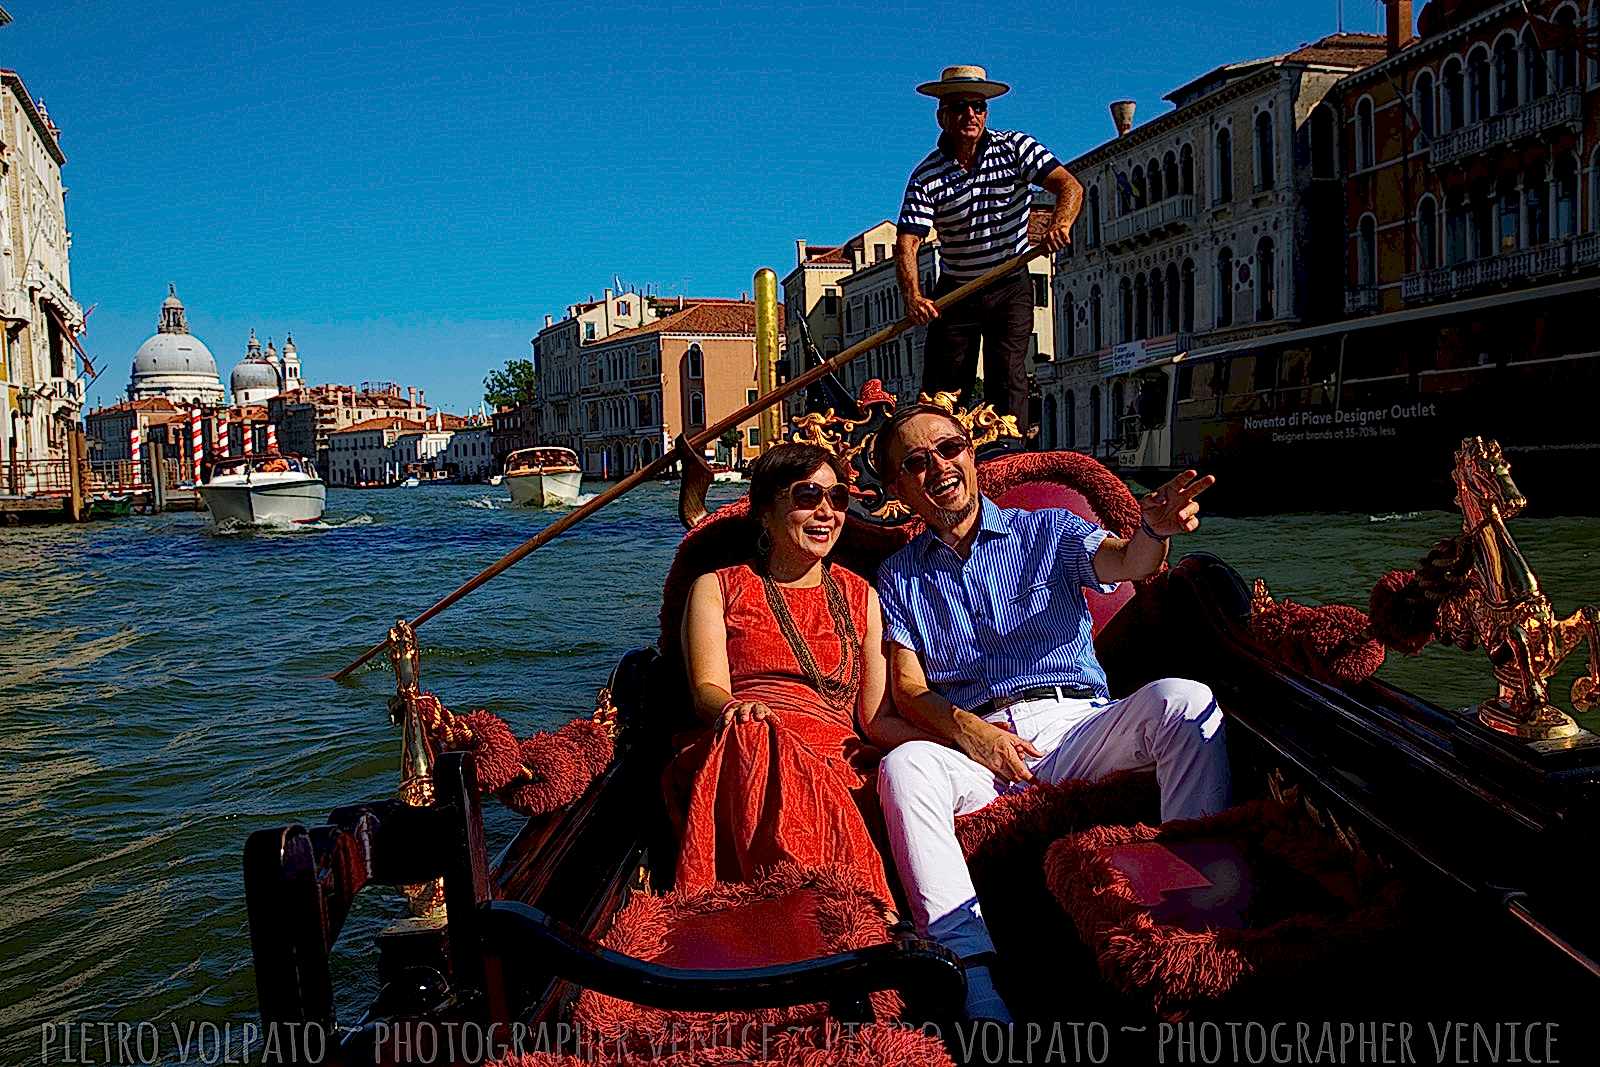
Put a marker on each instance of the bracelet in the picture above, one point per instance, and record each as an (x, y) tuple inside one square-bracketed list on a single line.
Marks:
[(1145, 526), (735, 702)]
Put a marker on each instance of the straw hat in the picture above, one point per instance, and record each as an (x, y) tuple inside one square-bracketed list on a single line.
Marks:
[(964, 81)]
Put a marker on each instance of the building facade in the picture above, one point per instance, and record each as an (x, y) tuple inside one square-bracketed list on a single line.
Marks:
[(1208, 224), (469, 456), (812, 291), (558, 355), (362, 453), (1469, 156), (515, 426), (307, 417), (39, 319)]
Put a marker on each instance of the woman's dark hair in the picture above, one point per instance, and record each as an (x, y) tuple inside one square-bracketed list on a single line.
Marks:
[(782, 465), (891, 429)]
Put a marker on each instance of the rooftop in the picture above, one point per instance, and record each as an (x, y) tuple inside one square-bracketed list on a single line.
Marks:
[(385, 422), (726, 318)]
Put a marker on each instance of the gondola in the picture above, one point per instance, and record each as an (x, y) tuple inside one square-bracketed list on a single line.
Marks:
[(1393, 876)]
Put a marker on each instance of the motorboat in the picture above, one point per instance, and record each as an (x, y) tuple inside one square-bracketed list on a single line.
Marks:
[(721, 472), (545, 476), (268, 489), (1386, 858), (411, 482), (496, 479)]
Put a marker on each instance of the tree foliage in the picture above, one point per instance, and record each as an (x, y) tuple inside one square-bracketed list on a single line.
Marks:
[(515, 383)]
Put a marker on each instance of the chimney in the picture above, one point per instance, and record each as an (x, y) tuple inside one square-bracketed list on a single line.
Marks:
[(547, 322), (609, 295), (411, 395), (421, 398), (799, 250), (1399, 24), (1122, 115)]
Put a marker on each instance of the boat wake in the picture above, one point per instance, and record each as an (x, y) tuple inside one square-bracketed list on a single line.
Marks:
[(488, 503), (1395, 516), (235, 528)]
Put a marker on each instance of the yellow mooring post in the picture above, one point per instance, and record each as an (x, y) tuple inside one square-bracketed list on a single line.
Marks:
[(766, 289)]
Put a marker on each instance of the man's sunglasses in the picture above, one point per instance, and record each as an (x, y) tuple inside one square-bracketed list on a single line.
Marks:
[(808, 495), (916, 463), (977, 107)]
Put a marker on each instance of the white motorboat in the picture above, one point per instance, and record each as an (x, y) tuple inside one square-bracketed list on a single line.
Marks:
[(264, 490), (496, 479), (411, 482), (541, 477)]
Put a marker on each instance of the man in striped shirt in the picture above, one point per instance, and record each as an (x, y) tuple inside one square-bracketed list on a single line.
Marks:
[(991, 648), (974, 192)]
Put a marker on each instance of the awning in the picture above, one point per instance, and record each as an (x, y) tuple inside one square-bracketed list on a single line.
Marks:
[(52, 309)]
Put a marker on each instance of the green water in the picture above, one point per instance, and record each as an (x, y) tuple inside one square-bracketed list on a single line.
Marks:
[(161, 697)]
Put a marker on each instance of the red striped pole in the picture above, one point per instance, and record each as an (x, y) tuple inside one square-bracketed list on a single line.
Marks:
[(135, 452), (272, 437), (196, 441), (224, 449)]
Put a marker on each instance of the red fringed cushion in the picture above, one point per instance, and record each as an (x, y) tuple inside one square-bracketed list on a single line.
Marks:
[(790, 913), (1248, 899), (878, 1045), (1330, 642)]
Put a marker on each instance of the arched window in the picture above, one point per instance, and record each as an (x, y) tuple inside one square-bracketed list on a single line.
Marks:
[(1186, 169), (1535, 68), (1096, 320), (1452, 97), (1069, 331), (1224, 287), (697, 408), (1536, 207), (1366, 153), (1566, 190), (1094, 420), (1507, 77), (1455, 229), (1069, 435), (1565, 65), (1169, 173), (1509, 235), (1125, 306), (1222, 158), (1048, 430), (1266, 280), (1422, 103), (1174, 308), (1094, 216), (1263, 151), (1152, 173), (1141, 308), (1478, 85), (1367, 252), (1141, 194), (1188, 296), (697, 367), (1324, 143), (1158, 305), (1427, 234)]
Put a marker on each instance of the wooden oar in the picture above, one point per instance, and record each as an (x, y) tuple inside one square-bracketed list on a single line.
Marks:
[(660, 464)]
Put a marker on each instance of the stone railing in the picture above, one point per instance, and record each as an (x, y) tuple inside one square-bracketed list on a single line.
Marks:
[(1446, 283), (1362, 300), (1171, 213), (1522, 122)]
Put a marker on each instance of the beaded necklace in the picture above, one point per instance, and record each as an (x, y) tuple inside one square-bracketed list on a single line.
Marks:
[(839, 686)]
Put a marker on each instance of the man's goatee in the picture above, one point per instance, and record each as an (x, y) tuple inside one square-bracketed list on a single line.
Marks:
[(950, 519)]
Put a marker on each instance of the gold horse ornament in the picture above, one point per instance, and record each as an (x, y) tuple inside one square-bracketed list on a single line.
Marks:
[(1504, 610)]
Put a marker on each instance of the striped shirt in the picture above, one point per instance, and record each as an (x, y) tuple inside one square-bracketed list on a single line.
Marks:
[(1010, 617), (981, 214)]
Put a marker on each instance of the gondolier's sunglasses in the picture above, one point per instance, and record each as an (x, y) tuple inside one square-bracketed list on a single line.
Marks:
[(808, 495), (916, 463), (977, 107)]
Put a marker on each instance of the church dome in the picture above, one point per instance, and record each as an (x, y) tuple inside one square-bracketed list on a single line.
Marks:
[(253, 374), (174, 363)]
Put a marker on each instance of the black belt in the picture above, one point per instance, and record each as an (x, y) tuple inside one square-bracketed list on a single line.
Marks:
[(1037, 692)]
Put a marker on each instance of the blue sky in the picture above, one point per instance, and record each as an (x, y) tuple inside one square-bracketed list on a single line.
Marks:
[(411, 187)]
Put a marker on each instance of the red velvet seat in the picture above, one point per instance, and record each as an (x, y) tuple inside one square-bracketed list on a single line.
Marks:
[(1222, 912), (790, 914)]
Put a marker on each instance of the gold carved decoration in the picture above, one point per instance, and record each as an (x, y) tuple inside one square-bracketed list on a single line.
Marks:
[(605, 712), (1504, 610), (980, 421), (425, 899)]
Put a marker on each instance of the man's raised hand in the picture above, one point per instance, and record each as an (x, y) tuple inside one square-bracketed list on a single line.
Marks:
[(1172, 509)]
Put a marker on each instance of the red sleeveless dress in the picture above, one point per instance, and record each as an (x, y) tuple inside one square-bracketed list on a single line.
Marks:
[(795, 786)]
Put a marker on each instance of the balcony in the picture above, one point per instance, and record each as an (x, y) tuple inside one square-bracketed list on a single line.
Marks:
[(1362, 300), (1149, 223), (1447, 283), (1529, 120)]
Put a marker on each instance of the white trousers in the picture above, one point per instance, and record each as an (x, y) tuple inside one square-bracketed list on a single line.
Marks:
[(1172, 724)]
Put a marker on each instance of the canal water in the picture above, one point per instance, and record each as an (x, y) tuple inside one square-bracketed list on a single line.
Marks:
[(162, 694)]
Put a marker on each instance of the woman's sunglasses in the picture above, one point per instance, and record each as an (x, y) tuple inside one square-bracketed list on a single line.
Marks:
[(808, 495), (916, 463)]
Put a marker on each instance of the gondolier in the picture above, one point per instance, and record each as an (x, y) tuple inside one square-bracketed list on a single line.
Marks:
[(974, 192)]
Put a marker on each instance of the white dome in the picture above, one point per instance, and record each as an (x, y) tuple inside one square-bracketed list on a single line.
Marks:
[(174, 353), (253, 374)]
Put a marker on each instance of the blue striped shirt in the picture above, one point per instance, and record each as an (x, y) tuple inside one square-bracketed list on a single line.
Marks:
[(1011, 616), (981, 214)]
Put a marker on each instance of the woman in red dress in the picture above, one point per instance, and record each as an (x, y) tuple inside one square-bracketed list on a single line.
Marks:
[(785, 661)]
